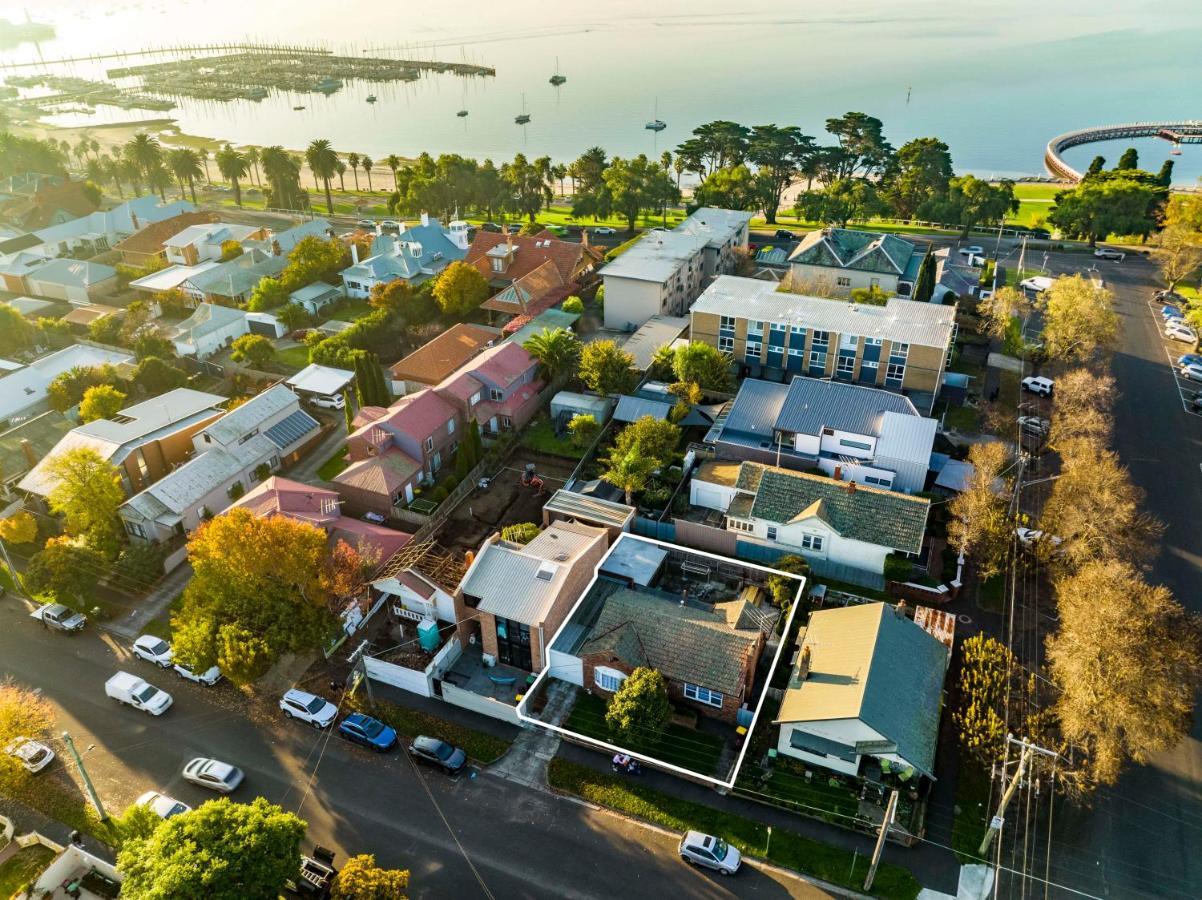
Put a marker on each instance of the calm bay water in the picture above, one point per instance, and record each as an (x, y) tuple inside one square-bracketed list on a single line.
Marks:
[(995, 80)]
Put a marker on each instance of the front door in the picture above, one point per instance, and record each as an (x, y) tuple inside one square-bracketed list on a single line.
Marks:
[(409, 493), (513, 644)]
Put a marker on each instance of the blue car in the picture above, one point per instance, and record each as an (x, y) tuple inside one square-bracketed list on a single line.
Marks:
[(1190, 359), (369, 732), (1169, 311)]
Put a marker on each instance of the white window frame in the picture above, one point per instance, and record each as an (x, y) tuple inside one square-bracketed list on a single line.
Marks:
[(754, 348), (777, 326), (843, 281), (812, 542), (703, 695), (726, 322), (496, 395), (450, 426), (845, 365), (820, 340), (900, 373), (755, 326), (818, 358), (771, 533), (608, 679), (726, 344), (475, 399), (429, 445)]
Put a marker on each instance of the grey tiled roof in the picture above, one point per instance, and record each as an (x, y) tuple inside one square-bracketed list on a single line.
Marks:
[(863, 251), (875, 516)]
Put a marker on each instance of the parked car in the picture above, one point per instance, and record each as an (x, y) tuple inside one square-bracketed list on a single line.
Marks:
[(391, 225), (1193, 371), (60, 618), (317, 711), (367, 732), (513, 227), (1038, 384), (974, 250), (213, 774), (493, 227), (328, 401), (1190, 359), (33, 755), (1030, 537), (604, 230), (1036, 284), (1110, 253), (785, 234), (711, 852), (208, 677), (1168, 297), (133, 691), (1195, 403), (366, 224), (558, 230), (446, 756), (1179, 331), (161, 805), (1034, 426), (1169, 311), (153, 650)]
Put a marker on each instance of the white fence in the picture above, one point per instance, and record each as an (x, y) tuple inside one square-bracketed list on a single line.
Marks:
[(457, 696), (398, 676)]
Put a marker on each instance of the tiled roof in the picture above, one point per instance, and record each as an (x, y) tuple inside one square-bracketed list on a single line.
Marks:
[(860, 250), (502, 365), (239, 275), (384, 474), (685, 643), (521, 296), (862, 513), (532, 251), (435, 360), (150, 239), (868, 662)]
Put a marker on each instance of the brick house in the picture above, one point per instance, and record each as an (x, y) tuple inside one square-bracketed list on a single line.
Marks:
[(499, 389)]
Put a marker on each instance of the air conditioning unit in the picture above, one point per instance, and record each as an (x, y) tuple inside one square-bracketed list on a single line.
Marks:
[(489, 659)]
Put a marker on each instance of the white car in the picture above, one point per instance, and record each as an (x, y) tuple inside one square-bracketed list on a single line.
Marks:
[(974, 250), (161, 805), (328, 401), (709, 851), (317, 711), (34, 756), (1037, 384), (605, 229), (1037, 284), (1034, 426), (213, 774), (153, 650), (1179, 331), (209, 677), (1030, 537), (1110, 253), (391, 224), (1193, 372)]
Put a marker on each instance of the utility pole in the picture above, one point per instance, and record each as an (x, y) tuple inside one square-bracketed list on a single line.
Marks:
[(886, 824), (87, 781), (1024, 760)]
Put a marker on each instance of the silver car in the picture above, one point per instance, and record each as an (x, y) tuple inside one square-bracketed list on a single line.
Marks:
[(711, 852), (213, 774)]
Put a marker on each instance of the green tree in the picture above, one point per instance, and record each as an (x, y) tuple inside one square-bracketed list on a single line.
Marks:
[(777, 152), (323, 162), (254, 350), (971, 201), (185, 166), (348, 410), (101, 402), (703, 365), (361, 879), (638, 184), (267, 294), (573, 305), (1129, 160), (715, 145), (221, 851), (145, 152), (352, 160), (924, 285), (68, 388), (520, 533), (19, 528), (1177, 249), (233, 166), (583, 428), (979, 526), (1101, 206), (1096, 165), (1164, 177), (629, 471), (733, 188), (841, 201), (656, 438), (16, 332), (557, 351), (528, 188), (639, 711), (1003, 313), (590, 196), (606, 368), (366, 162), (460, 289), (154, 376), (282, 172), (921, 172), (314, 259), (65, 571), (1079, 319), (87, 491), (862, 149)]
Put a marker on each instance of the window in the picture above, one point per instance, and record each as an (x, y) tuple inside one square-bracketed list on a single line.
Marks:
[(608, 679), (727, 323), (855, 445), (506, 422), (843, 281), (872, 342), (874, 282), (246, 437), (135, 529), (429, 444), (899, 350), (753, 350), (450, 426), (845, 366), (726, 344), (849, 341), (772, 532), (797, 329), (820, 340), (817, 359), (475, 399), (895, 371), (496, 395), (498, 264), (739, 525), (777, 326), (143, 469), (754, 326), (874, 479), (811, 542), (702, 695), (796, 351)]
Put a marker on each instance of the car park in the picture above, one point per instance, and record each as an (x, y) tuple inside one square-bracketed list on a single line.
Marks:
[(1110, 253), (161, 805), (605, 230), (1179, 331), (317, 711), (1193, 372), (213, 774), (208, 677), (367, 732), (60, 618), (133, 691), (711, 852), (438, 753), (973, 250), (33, 755), (1038, 384), (1190, 359), (1168, 311), (153, 650), (785, 234)]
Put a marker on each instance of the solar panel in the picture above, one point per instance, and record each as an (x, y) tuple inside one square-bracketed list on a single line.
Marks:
[(291, 429)]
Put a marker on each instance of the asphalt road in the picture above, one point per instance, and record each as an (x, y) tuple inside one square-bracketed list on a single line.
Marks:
[(477, 836), (1140, 839)]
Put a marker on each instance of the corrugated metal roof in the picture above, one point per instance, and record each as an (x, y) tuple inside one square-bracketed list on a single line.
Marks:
[(756, 408), (631, 409), (651, 335), (291, 429), (900, 320), (813, 404), (239, 421), (907, 437), (868, 663), (593, 509)]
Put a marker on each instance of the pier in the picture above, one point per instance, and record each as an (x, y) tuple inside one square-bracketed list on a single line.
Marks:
[(1188, 132)]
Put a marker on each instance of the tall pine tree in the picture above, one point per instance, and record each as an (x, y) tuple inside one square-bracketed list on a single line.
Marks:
[(924, 285)]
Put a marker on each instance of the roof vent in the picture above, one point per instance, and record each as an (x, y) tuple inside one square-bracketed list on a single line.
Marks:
[(546, 571)]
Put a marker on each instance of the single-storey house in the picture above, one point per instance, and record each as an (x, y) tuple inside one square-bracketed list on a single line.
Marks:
[(100, 230), (209, 329), (232, 282), (31, 307), (313, 298), (24, 445), (867, 691), (438, 359), (23, 390), (74, 280)]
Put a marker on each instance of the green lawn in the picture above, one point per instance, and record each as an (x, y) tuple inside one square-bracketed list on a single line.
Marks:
[(409, 723), (972, 809), (351, 310), (22, 868), (540, 435), (962, 418), (680, 745), (294, 357), (333, 465), (785, 848), (1035, 202)]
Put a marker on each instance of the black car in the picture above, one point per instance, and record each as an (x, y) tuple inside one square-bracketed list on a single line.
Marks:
[(785, 234), (493, 227), (446, 756)]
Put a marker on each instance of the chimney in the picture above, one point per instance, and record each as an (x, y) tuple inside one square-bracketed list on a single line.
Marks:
[(900, 609), (838, 476), (851, 487), (276, 249), (803, 664), (354, 253), (133, 217), (425, 220), (31, 455), (584, 238)]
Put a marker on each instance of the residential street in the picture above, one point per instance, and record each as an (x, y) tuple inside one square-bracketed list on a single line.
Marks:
[(478, 836)]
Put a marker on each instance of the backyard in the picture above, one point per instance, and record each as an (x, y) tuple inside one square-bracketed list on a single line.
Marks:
[(540, 436), (23, 867)]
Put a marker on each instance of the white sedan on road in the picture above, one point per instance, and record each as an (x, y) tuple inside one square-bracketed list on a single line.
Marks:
[(153, 650), (213, 774), (605, 229), (1110, 253), (974, 250), (1179, 331), (161, 805)]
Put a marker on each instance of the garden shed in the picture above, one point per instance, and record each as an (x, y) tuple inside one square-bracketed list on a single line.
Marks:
[(569, 403)]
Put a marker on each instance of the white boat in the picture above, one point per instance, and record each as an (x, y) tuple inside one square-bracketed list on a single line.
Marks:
[(656, 125)]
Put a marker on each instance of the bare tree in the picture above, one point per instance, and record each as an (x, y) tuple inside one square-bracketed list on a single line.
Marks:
[(979, 525), (1178, 252), (1127, 660), (999, 311)]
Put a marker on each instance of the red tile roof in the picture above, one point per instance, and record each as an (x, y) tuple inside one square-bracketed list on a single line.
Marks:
[(503, 364), (434, 361), (532, 251)]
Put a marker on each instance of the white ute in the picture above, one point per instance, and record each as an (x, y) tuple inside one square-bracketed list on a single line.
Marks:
[(137, 693)]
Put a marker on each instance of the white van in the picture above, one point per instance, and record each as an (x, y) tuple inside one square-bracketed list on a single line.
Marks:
[(137, 693)]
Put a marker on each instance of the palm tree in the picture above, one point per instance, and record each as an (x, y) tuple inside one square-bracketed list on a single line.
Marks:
[(94, 146), (159, 179), (252, 157), (95, 171), (204, 161), (366, 162), (185, 166), (81, 149), (341, 170), (630, 471), (353, 160), (145, 151), (131, 173), (556, 351), (393, 162), (232, 165), (559, 172), (322, 162), (112, 171), (283, 174)]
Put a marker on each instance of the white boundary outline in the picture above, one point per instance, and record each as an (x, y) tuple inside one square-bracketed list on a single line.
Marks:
[(650, 760)]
